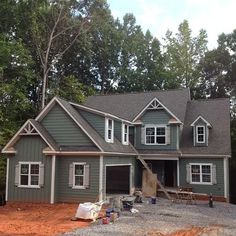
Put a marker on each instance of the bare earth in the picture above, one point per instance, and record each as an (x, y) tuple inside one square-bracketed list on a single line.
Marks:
[(38, 219)]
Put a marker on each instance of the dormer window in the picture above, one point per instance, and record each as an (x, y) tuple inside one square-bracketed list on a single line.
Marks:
[(109, 130), (200, 131), (200, 134), (125, 134)]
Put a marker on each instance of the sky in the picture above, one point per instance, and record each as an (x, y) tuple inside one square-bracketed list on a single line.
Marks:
[(215, 16)]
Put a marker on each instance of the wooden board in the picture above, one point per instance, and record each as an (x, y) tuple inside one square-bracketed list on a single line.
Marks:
[(149, 184)]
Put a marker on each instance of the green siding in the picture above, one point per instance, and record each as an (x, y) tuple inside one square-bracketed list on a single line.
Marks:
[(216, 189), (118, 130), (63, 129), (96, 121), (30, 148), (116, 160), (157, 117), (64, 193)]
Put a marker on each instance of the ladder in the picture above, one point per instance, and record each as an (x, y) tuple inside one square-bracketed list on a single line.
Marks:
[(150, 171)]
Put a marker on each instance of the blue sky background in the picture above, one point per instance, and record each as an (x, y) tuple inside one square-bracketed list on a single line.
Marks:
[(215, 16)]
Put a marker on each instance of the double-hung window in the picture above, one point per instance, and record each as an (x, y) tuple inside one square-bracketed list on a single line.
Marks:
[(78, 175), (200, 134), (125, 134), (201, 173), (155, 135), (29, 174), (109, 130)]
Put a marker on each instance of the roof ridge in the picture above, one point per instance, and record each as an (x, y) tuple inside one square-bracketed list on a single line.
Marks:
[(208, 99), (137, 92)]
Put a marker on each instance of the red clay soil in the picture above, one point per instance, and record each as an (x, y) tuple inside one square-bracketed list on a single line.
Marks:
[(38, 219)]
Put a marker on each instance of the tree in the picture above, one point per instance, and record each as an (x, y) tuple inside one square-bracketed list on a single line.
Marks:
[(54, 26), (183, 53)]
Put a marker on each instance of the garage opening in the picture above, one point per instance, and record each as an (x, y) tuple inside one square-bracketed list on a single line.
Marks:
[(118, 179)]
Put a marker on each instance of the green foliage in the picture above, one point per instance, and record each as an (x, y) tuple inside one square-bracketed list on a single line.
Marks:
[(2, 173)]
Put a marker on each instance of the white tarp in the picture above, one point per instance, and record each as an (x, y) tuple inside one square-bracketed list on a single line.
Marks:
[(88, 211)]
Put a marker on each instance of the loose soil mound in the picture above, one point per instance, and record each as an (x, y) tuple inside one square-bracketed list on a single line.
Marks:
[(38, 219)]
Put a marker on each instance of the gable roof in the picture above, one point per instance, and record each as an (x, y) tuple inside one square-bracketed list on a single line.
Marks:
[(217, 113), (128, 106), (41, 131), (117, 146), (204, 120)]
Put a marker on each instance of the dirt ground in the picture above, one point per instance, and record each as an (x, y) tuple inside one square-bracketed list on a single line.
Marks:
[(38, 219)]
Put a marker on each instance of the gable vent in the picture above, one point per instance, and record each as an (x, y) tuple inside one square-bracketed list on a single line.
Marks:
[(155, 105)]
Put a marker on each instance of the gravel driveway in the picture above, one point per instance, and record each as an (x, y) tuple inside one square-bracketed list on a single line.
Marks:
[(164, 218)]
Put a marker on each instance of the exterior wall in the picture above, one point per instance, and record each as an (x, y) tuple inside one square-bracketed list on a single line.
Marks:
[(118, 130), (156, 117), (215, 189), (63, 129), (29, 148), (96, 121), (116, 160), (64, 193)]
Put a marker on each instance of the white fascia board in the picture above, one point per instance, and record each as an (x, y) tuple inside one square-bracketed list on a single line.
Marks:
[(46, 109), (100, 112), (145, 108), (204, 155), (16, 136), (200, 117), (86, 153)]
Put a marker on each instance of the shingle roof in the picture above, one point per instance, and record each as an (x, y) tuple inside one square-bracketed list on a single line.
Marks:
[(128, 106), (117, 146), (216, 112)]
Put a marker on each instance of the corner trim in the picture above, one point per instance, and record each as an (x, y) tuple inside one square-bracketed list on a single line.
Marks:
[(101, 178)]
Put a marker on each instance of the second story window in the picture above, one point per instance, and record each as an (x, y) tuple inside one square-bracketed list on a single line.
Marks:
[(200, 134), (125, 134), (109, 130), (155, 135)]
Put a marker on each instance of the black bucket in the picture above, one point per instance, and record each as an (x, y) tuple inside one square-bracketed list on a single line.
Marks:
[(153, 200)]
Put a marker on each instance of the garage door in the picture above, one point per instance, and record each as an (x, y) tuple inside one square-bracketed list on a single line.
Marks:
[(118, 179)]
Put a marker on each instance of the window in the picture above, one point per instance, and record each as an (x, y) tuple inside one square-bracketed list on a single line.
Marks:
[(201, 173), (156, 135), (200, 134), (78, 177), (109, 130), (125, 134), (29, 174)]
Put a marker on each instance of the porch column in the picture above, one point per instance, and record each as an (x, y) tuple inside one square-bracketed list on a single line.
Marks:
[(7, 176), (53, 172), (101, 178), (178, 172), (226, 178)]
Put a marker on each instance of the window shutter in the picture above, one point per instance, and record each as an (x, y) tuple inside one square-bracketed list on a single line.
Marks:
[(17, 176), (214, 180), (71, 175), (143, 135), (86, 176), (188, 173), (41, 177), (168, 134)]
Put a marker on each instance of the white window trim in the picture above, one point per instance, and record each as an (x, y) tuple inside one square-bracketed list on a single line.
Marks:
[(111, 140), (29, 175), (155, 126), (123, 134), (200, 164), (76, 186), (204, 133)]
